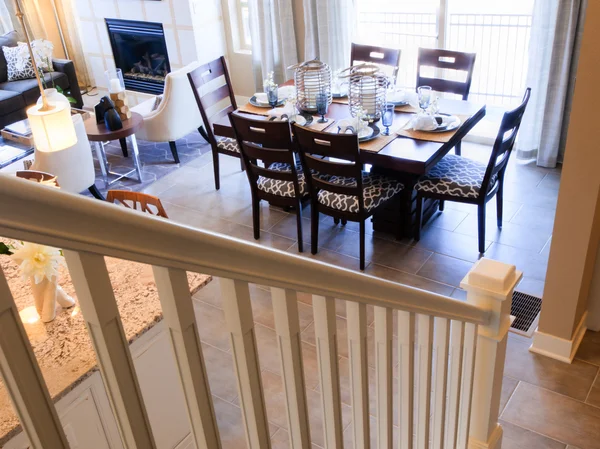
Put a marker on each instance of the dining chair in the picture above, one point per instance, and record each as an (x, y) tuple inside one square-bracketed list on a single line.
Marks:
[(280, 179), (137, 201), (456, 62), (338, 186), (464, 180), (207, 96), (385, 57)]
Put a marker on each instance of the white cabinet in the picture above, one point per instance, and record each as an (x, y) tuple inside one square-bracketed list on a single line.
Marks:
[(88, 419)]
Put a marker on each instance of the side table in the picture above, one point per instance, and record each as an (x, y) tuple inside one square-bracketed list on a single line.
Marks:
[(98, 133)]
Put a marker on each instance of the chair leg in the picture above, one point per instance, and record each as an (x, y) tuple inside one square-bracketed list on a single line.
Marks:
[(299, 225), (441, 205), (314, 228), (457, 149), (174, 151), (202, 132), (96, 193), (216, 169), (242, 165), (256, 218), (481, 227), (419, 218), (362, 245), (499, 201), (336, 220), (344, 222), (123, 142)]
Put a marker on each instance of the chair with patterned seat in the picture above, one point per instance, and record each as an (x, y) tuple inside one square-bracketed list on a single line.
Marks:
[(338, 186), (457, 178), (280, 180), (210, 96)]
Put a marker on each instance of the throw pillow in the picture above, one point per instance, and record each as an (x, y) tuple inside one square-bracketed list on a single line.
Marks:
[(18, 62), (7, 40)]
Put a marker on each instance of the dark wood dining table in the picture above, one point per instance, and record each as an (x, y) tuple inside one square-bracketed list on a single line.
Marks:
[(404, 158)]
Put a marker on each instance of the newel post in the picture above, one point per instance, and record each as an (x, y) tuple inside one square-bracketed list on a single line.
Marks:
[(490, 286)]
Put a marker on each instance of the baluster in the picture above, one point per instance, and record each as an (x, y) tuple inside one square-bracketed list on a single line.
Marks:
[(178, 311), (490, 286), (406, 377), (99, 309), (442, 335), (240, 323), (384, 374), (424, 343), (454, 383), (23, 378), (326, 339), (356, 314), (466, 388), (287, 326)]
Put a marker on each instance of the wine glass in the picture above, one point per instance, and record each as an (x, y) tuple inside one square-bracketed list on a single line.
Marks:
[(424, 97), (322, 105), (387, 119), (272, 95)]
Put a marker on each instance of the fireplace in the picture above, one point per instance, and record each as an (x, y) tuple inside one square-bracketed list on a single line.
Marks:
[(140, 51)]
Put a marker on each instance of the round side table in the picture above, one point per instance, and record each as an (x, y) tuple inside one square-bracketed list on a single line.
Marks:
[(98, 133)]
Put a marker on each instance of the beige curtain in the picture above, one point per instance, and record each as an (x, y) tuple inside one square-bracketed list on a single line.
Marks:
[(6, 24)]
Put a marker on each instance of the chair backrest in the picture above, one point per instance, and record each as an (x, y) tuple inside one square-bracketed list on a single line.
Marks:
[(316, 150), (376, 55), (38, 176), (505, 141), (450, 60), (208, 93), (138, 201), (267, 142)]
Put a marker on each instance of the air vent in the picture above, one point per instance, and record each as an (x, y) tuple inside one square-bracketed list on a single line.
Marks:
[(526, 310)]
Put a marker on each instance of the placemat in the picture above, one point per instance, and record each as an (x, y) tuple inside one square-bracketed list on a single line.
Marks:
[(432, 137), (250, 109), (407, 108), (316, 126), (378, 144)]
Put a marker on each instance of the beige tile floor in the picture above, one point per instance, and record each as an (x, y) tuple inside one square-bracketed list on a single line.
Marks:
[(545, 403)]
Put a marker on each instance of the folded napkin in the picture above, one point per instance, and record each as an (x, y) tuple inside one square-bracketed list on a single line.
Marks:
[(284, 112), (261, 97), (422, 122), (353, 126)]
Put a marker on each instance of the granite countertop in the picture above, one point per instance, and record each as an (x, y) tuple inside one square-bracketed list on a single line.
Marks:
[(62, 347)]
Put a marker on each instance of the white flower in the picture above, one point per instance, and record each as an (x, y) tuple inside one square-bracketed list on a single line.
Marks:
[(269, 82), (37, 261)]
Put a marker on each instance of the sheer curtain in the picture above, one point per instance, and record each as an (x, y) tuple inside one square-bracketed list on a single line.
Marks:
[(553, 54), (5, 21), (328, 31), (273, 39)]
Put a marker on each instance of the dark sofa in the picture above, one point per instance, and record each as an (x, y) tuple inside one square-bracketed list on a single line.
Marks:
[(16, 96)]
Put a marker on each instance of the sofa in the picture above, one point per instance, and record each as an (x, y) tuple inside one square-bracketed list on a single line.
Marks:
[(16, 96)]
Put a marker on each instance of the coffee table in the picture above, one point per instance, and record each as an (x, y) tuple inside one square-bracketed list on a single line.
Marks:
[(98, 134)]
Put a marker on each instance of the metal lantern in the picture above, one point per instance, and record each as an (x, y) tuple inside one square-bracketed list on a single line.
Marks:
[(311, 78), (366, 90)]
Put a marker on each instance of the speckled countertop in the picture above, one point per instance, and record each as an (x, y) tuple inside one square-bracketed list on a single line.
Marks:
[(62, 347)]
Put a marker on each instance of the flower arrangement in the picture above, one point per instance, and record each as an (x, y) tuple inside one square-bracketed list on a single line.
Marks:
[(361, 119), (269, 82), (36, 261)]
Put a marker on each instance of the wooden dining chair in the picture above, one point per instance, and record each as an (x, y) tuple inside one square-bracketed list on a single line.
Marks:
[(464, 180), (456, 62), (338, 186), (280, 179), (38, 176), (207, 97), (138, 201), (386, 57)]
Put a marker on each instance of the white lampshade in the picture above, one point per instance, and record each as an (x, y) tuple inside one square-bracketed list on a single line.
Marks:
[(52, 130)]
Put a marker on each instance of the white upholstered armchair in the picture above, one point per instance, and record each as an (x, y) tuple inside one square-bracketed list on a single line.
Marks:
[(176, 116)]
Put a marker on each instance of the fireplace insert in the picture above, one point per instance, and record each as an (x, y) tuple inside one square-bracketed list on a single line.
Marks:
[(140, 51)]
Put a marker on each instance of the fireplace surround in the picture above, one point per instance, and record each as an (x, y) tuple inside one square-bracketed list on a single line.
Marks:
[(140, 51)]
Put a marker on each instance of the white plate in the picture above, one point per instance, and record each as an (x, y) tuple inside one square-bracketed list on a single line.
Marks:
[(365, 133)]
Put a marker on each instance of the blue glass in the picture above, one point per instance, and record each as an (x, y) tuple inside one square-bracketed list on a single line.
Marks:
[(272, 96), (322, 105), (387, 118)]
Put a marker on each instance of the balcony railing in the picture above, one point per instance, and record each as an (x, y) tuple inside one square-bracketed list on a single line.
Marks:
[(501, 42)]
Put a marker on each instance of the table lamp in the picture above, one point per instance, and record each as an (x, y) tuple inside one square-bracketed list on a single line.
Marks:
[(50, 123)]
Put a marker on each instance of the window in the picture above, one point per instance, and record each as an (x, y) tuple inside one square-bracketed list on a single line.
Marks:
[(497, 31), (6, 24), (242, 25)]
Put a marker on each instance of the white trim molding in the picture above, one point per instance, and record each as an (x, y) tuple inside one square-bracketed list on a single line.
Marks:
[(495, 441), (559, 348)]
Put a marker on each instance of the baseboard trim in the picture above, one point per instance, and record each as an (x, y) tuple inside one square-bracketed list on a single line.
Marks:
[(559, 348), (494, 442)]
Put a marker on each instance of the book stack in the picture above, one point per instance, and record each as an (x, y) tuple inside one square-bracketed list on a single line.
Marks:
[(19, 132)]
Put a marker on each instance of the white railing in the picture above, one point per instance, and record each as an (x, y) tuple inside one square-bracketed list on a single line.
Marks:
[(501, 42), (450, 353)]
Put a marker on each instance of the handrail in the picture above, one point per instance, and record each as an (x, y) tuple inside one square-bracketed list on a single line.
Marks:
[(48, 216)]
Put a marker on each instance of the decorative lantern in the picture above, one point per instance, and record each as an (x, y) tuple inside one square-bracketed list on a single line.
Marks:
[(367, 89), (311, 79)]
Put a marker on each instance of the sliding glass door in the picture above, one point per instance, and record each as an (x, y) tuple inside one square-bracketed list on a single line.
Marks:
[(497, 31)]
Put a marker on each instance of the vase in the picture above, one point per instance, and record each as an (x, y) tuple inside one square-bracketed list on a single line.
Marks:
[(46, 294), (54, 96)]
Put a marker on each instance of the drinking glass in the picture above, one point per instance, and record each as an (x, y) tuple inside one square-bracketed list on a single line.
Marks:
[(387, 119), (322, 105), (424, 97), (272, 96)]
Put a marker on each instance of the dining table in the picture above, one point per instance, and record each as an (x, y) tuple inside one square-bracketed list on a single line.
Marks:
[(404, 158)]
